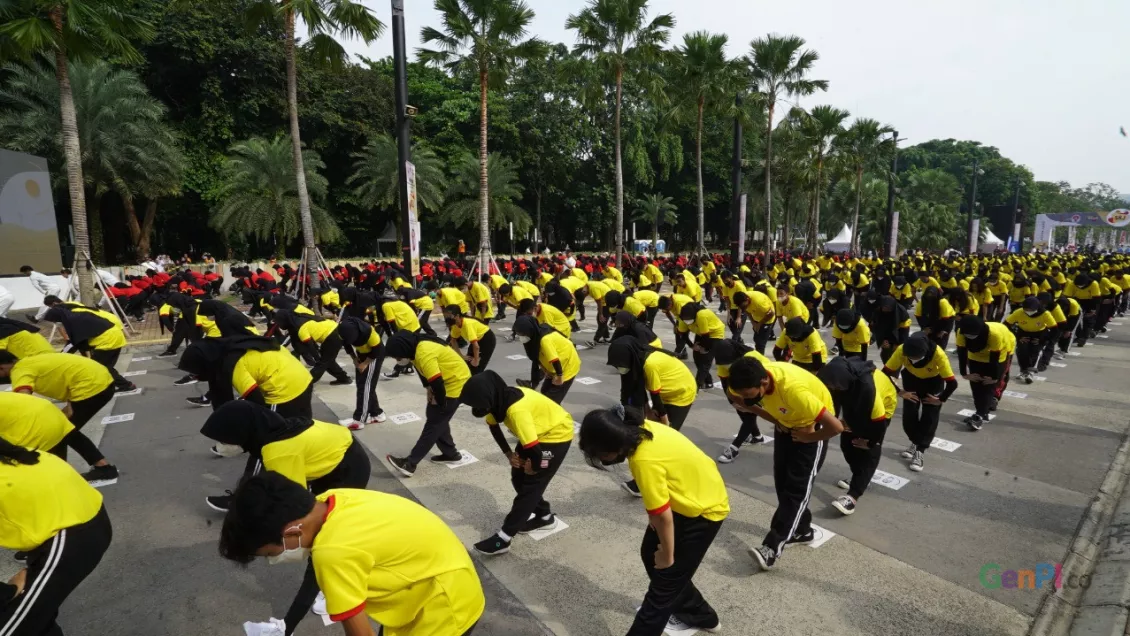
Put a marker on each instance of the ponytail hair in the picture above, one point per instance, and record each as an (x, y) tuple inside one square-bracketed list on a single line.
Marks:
[(12, 455)]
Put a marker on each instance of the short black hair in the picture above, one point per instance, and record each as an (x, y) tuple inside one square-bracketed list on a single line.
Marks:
[(615, 430), (51, 299), (6, 357), (25, 269), (747, 373), (259, 509), (526, 305)]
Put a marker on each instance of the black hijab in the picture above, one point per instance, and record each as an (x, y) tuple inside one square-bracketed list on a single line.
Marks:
[(931, 299), (354, 331), (975, 332), (487, 393), (229, 320), (847, 320), (918, 345), (9, 327), (629, 325), (206, 355), (251, 426), (529, 326), (402, 345), (852, 385), (728, 351), (80, 326), (797, 329), (887, 321)]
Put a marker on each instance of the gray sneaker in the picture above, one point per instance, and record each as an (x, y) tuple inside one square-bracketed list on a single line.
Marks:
[(916, 462), (909, 452), (728, 455)]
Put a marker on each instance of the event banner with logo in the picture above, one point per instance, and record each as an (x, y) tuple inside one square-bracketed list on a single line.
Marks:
[(1046, 223), (27, 215)]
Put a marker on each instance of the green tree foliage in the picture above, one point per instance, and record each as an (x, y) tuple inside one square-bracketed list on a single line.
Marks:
[(259, 195), (462, 208), (655, 210), (376, 179), (864, 145)]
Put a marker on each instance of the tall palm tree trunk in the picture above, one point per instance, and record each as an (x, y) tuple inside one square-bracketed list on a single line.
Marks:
[(855, 217), (814, 219), (788, 217), (312, 268), (698, 168), (73, 154), (484, 195), (769, 180), (619, 174)]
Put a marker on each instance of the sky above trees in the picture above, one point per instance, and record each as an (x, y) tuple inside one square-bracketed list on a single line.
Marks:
[(1043, 80)]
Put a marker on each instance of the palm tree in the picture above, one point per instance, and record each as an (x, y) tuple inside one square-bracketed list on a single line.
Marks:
[(80, 30), (820, 127), (376, 177), (324, 19), (486, 37), (704, 75), (463, 196), (617, 38), (259, 194), (778, 69), (862, 146), (656, 210)]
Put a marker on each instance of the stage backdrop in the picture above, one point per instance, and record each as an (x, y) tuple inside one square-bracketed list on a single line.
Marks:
[(27, 215)]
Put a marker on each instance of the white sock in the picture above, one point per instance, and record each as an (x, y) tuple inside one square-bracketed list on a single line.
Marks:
[(505, 537)]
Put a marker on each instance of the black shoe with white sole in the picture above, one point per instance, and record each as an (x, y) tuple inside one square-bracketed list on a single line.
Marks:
[(342, 381), (199, 400), (101, 475), (186, 380), (219, 503), (538, 523), (808, 537), (492, 546), (447, 459), (845, 504), (167, 354), (765, 557), (632, 488), (401, 465)]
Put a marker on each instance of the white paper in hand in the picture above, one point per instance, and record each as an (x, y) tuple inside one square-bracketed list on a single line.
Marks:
[(274, 627)]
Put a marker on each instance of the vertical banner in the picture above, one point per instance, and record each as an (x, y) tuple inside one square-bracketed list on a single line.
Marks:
[(1071, 237), (741, 226), (974, 236), (1016, 233), (413, 219), (1090, 237), (893, 248)]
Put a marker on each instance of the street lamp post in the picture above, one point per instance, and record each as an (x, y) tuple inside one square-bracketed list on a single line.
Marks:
[(736, 185), (972, 207), (403, 148), (891, 230), (1016, 214)]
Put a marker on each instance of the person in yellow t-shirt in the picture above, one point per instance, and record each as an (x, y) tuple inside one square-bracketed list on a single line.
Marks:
[(935, 316), (477, 294), (318, 338), (21, 339), (252, 368), (33, 422), (1032, 325), (656, 373), (375, 556), (707, 330), (928, 381), (552, 357), (64, 536), (686, 502), (84, 385), (852, 334), (802, 344), (726, 352), (984, 356), (801, 408), (544, 431), (398, 314), (420, 302), (310, 453), (789, 306), (866, 399), (92, 331), (363, 343), (443, 372), (476, 333), (671, 305), (759, 307)]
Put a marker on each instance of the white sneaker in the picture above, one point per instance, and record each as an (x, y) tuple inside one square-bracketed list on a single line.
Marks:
[(376, 419), (916, 462), (355, 425), (226, 450), (728, 455), (320, 605), (909, 452), (843, 484)]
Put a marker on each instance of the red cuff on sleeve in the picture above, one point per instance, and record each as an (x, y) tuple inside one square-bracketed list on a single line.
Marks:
[(433, 378), (949, 379), (660, 510), (819, 415), (248, 391), (344, 616), (21, 388), (531, 444)]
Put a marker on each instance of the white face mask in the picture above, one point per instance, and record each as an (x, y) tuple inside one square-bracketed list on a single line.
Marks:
[(623, 370), (782, 299), (403, 361), (913, 361), (832, 301), (688, 322), (1032, 313), (524, 339), (290, 555)]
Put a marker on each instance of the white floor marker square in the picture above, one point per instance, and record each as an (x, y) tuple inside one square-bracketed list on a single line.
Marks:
[(944, 444), (953, 350), (1103, 335), (142, 358), (894, 482), (576, 427), (130, 374), (1059, 365), (133, 392), (558, 526), (404, 418), (516, 356), (114, 419), (1116, 324), (1074, 353), (587, 381), (1015, 394), (1040, 378), (970, 412), (467, 458), (826, 536)]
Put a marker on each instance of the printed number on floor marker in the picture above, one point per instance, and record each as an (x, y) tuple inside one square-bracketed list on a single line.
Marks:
[(1015, 394), (404, 418), (114, 419), (894, 482), (944, 444), (467, 458)]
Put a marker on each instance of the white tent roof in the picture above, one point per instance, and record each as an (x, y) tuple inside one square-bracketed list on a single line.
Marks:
[(841, 242), (990, 242)]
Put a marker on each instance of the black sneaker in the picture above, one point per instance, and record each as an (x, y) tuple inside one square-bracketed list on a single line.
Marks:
[(447, 459), (526, 384), (342, 382), (32, 318), (402, 465), (20, 556), (975, 422), (101, 475), (681, 354), (845, 504), (390, 375), (125, 388), (492, 545), (200, 400), (804, 539), (186, 380), (219, 503), (538, 523), (632, 488), (765, 557), (167, 354)]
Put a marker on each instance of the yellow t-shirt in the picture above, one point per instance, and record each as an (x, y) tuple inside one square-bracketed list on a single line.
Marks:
[(61, 376), (706, 323), (517, 295), (555, 347), (471, 331), (401, 314), (728, 291), (597, 290), (423, 303), (316, 330), (673, 473), (902, 293), (113, 338), (646, 297), (856, 339), (547, 314), (536, 418), (1001, 341), (31, 422), (311, 454), (798, 398), (939, 365), (25, 344), (370, 344), (434, 360), (724, 369), (1031, 324), (634, 307), (450, 296), (760, 306), (571, 283), (670, 378), (396, 561), (886, 396), (805, 349), (945, 309), (794, 308), (28, 518), (277, 374)]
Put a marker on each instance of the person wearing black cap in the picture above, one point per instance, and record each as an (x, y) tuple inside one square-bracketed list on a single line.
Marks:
[(1033, 325), (544, 431), (255, 367), (984, 355), (726, 352), (928, 381), (890, 325), (803, 344), (443, 372), (852, 334), (866, 399), (552, 357), (362, 342)]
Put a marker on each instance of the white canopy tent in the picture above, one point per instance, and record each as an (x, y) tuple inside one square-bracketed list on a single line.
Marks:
[(842, 241), (990, 243)]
